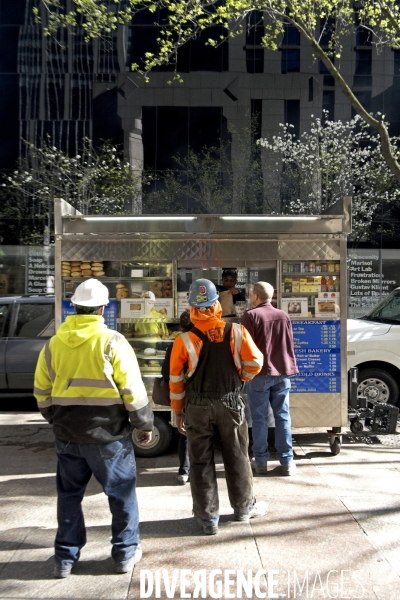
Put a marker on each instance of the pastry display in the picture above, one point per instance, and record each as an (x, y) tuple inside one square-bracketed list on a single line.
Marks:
[(80, 268), (156, 286), (149, 351), (122, 291)]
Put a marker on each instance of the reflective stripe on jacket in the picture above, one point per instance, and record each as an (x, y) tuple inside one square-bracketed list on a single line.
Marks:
[(87, 381), (187, 348)]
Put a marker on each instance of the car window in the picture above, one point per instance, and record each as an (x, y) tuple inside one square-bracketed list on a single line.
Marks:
[(4, 312), (35, 320), (389, 308)]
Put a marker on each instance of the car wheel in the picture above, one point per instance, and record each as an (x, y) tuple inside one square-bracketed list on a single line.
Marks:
[(378, 385), (161, 439)]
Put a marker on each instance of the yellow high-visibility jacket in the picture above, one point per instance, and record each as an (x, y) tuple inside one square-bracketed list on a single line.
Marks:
[(88, 383), (187, 349)]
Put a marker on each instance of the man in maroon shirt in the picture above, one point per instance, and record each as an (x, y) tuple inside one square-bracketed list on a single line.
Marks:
[(271, 329)]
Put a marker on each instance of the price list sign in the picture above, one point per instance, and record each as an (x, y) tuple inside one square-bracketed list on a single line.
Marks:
[(317, 350), (110, 312)]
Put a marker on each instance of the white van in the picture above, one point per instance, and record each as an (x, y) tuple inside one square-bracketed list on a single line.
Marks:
[(373, 346)]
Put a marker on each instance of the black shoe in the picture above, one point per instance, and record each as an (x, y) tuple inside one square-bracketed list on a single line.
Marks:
[(209, 528)]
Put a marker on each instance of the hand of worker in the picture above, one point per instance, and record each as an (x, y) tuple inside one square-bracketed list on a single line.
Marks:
[(180, 423), (144, 437), (233, 291)]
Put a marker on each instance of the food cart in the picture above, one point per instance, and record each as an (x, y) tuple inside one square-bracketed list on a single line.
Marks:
[(303, 256)]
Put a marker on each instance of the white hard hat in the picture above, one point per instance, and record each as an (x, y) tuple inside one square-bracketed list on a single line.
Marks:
[(90, 293)]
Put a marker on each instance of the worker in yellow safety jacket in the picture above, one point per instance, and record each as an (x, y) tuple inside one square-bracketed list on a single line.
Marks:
[(208, 366), (88, 386)]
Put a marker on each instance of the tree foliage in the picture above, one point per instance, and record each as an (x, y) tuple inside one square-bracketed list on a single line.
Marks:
[(96, 181), (332, 160), (182, 20)]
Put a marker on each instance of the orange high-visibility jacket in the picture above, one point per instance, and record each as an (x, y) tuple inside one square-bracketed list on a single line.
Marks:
[(187, 348)]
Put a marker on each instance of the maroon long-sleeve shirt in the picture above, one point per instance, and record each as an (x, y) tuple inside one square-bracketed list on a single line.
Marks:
[(271, 329)]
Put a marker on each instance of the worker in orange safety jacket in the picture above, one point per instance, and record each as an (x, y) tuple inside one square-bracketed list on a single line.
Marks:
[(208, 367)]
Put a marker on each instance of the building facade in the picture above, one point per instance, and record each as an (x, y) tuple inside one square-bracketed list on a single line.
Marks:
[(67, 89)]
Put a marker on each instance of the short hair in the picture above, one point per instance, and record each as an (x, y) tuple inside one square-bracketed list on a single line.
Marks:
[(185, 322), (263, 290), (227, 272), (87, 310)]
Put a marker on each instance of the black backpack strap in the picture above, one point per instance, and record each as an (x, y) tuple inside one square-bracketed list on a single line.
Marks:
[(227, 332), (199, 334)]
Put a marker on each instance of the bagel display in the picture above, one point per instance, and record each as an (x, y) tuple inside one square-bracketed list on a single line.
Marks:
[(168, 284), (149, 351), (167, 294), (79, 268), (156, 286)]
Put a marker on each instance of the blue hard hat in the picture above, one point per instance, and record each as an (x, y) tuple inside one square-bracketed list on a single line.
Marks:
[(202, 293)]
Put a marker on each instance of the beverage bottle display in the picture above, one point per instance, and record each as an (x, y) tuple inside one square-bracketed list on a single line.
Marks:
[(318, 267), (323, 284), (330, 284), (337, 284), (331, 267)]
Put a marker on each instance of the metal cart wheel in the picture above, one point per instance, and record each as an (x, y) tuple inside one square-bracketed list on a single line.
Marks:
[(356, 426), (162, 435), (335, 444)]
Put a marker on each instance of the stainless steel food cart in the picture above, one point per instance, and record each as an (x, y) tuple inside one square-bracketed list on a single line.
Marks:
[(303, 256)]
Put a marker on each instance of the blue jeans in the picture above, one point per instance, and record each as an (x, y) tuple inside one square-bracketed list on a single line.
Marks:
[(262, 391), (184, 463), (113, 465)]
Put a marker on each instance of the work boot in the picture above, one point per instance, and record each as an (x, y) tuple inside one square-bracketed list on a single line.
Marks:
[(258, 469), (210, 526), (126, 566), (256, 509), (289, 470)]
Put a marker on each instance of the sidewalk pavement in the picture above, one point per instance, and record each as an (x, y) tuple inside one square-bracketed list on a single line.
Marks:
[(333, 529)]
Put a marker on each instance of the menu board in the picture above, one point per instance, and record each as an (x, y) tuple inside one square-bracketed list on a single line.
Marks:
[(40, 271), (110, 312), (317, 350)]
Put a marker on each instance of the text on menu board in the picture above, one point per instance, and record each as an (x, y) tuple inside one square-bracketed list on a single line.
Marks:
[(40, 271), (317, 350), (110, 312)]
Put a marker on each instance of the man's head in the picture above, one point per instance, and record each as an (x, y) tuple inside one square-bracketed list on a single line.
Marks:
[(261, 292), (202, 294), (185, 322), (229, 278), (90, 297)]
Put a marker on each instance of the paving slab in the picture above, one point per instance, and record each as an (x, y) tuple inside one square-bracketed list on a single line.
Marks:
[(332, 531)]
